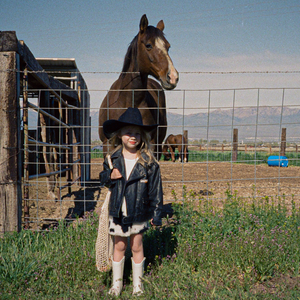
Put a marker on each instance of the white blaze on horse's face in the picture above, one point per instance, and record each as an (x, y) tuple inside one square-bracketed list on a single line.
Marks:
[(171, 79)]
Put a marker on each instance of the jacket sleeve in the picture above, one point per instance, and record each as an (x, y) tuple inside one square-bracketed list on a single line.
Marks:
[(104, 176), (155, 192)]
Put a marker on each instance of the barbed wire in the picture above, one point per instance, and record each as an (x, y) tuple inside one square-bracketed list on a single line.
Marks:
[(182, 72), (239, 72)]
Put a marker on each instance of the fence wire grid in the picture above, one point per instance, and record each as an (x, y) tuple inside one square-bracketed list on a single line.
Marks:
[(234, 139)]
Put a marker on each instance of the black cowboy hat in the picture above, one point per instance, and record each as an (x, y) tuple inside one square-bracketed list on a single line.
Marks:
[(131, 116)]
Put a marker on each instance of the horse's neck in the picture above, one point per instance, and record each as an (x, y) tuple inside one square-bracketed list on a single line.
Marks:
[(135, 84)]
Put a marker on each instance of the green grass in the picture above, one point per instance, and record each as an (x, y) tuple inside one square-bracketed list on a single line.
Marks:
[(226, 253), (96, 154), (248, 158), (241, 251), (57, 263), (242, 157)]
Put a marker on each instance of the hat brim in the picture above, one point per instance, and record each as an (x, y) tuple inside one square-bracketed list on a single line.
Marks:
[(110, 127)]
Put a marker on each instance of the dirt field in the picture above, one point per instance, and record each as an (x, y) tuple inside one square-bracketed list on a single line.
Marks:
[(207, 180)]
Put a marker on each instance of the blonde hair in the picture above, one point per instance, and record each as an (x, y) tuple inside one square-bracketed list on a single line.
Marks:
[(144, 147)]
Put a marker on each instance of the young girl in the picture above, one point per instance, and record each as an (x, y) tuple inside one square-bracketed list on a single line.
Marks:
[(136, 192)]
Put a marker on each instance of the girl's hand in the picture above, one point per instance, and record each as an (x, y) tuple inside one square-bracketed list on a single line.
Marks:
[(115, 174), (151, 222)]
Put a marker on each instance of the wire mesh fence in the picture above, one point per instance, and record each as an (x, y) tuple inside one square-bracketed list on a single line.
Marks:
[(231, 133), (50, 147)]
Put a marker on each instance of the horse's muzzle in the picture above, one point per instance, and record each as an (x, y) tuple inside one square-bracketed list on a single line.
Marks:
[(171, 82)]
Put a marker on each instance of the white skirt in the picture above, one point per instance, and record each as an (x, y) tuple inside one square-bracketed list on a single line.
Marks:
[(125, 229), (116, 226)]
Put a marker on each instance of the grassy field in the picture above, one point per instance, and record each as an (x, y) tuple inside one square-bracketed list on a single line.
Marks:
[(242, 251), (242, 157)]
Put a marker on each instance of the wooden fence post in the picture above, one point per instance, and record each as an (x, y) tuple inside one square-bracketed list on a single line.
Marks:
[(45, 127), (184, 147), (26, 149), (235, 144), (283, 142), (185, 134), (10, 175)]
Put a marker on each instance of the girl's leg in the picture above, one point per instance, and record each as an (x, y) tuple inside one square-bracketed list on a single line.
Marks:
[(138, 260), (120, 246), (136, 245), (118, 265)]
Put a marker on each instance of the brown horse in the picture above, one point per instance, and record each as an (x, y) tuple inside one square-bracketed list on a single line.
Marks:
[(172, 142), (146, 55)]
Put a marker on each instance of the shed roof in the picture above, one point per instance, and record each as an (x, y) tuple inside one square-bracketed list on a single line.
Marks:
[(62, 69), (57, 63)]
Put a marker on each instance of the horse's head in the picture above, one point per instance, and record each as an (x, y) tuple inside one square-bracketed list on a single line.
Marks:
[(153, 57), (165, 152)]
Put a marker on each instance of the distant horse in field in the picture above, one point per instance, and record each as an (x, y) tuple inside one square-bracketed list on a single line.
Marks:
[(171, 143), (147, 54)]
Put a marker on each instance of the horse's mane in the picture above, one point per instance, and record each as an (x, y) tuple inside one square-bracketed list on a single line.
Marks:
[(131, 54)]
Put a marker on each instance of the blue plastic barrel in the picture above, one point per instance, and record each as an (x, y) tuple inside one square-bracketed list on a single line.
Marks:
[(278, 161)]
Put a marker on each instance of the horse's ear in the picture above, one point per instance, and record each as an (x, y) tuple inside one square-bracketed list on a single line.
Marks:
[(143, 24), (160, 25)]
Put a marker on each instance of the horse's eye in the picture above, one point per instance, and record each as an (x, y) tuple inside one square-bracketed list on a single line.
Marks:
[(148, 46)]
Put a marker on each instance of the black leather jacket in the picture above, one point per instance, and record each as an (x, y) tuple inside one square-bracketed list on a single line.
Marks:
[(142, 190)]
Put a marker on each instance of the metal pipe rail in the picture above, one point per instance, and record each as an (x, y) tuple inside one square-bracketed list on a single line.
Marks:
[(34, 142), (48, 174), (37, 109)]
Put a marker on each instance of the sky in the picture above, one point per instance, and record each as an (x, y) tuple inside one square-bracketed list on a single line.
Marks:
[(215, 44)]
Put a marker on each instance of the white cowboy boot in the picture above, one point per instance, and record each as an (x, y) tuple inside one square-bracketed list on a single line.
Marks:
[(117, 283), (137, 274)]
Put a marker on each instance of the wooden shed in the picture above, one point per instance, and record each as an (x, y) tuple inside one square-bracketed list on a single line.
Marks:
[(53, 90)]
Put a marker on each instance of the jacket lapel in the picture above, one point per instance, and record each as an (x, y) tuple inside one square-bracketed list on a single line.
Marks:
[(118, 162), (137, 172)]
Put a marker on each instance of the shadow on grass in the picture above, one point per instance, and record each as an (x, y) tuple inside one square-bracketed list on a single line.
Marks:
[(158, 242)]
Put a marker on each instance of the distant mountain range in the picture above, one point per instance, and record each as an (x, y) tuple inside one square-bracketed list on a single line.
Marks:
[(260, 124)]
